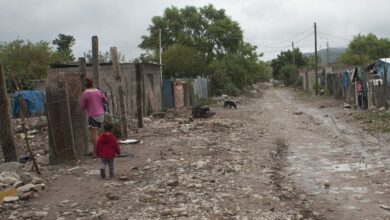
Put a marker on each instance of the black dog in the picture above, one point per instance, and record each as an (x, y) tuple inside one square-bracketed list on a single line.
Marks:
[(199, 112), (229, 104)]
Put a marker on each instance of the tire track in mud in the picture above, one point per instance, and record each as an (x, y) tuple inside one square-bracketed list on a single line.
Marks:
[(338, 162), (297, 198), (288, 201)]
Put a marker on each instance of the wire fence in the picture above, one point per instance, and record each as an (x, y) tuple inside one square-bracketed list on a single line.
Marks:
[(19, 135)]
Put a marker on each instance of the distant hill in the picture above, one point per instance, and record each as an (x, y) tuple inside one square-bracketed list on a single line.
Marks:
[(334, 54)]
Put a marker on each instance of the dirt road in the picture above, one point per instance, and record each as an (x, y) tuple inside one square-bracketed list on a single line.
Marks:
[(278, 156)]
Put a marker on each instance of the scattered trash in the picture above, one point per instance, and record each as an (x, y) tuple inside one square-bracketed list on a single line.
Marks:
[(129, 141), (385, 207)]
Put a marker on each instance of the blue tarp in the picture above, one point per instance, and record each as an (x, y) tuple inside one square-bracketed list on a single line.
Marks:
[(35, 101), (345, 81), (381, 69), (168, 94)]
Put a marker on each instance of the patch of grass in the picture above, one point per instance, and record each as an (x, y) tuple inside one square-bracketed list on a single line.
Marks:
[(375, 120)]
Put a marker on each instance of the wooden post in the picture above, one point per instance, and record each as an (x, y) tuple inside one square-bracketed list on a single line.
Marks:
[(138, 78), (95, 61), (118, 78), (385, 84), (83, 71), (316, 57), (83, 74), (22, 110), (70, 117), (7, 140)]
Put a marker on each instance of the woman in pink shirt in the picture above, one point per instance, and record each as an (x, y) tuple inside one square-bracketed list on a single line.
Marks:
[(92, 100)]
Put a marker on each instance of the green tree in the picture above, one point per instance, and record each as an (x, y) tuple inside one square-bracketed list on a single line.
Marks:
[(181, 61), (289, 73), (207, 29), (64, 45), (286, 58), (24, 60), (203, 41), (366, 48)]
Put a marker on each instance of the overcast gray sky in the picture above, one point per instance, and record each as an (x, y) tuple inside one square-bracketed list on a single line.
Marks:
[(269, 24)]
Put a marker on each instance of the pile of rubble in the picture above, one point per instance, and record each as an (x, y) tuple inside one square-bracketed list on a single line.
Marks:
[(15, 184)]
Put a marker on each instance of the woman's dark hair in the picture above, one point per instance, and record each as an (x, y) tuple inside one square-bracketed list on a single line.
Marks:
[(88, 83)]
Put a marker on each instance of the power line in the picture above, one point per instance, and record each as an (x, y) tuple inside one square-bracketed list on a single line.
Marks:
[(287, 45), (330, 35), (296, 42)]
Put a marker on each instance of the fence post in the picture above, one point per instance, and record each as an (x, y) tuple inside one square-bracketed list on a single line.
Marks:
[(7, 140), (95, 61), (138, 78), (385, 86), (118, 78)]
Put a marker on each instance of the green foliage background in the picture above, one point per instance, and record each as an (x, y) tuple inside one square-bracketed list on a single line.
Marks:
[(204, 41)]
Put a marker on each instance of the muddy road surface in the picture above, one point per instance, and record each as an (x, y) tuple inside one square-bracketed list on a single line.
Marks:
[(279, 155)]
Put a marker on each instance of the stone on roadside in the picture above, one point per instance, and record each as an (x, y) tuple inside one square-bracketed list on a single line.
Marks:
[(37, 180), (9, 178), (148, 161), (327, 184), (124, 178), (27, 196), (40, 214), (18, 184), (14, 167), (158, 114), (298, 113), (25, 188), (10, 198), (172, 183), (26, 177)]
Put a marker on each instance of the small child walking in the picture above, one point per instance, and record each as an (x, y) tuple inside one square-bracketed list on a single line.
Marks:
[(107, 148)]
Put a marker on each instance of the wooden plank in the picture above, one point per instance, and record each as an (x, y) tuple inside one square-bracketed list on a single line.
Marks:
[(118, 78)]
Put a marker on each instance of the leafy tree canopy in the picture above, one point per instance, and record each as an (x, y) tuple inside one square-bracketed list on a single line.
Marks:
[(286, 58), (64, 45), (182, 61), (203, 41), (24, 60), (289, 73), (366, 48), (206, 28)]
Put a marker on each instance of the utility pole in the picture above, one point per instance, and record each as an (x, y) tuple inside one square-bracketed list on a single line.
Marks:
[(315, 56), (293, 53), (327, 53)]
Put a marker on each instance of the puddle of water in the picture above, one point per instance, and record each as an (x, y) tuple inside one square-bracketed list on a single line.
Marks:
[(348, 189), (347, 167)]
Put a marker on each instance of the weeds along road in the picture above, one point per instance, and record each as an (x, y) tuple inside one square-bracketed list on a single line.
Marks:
[(277, 156)]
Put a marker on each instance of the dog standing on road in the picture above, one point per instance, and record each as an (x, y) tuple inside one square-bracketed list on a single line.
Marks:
[(229, 104)]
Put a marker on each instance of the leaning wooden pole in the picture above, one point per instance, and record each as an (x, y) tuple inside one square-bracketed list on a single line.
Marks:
[(7, 140), (22, 111), (118, 78), (95, 61), (32, 156)]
